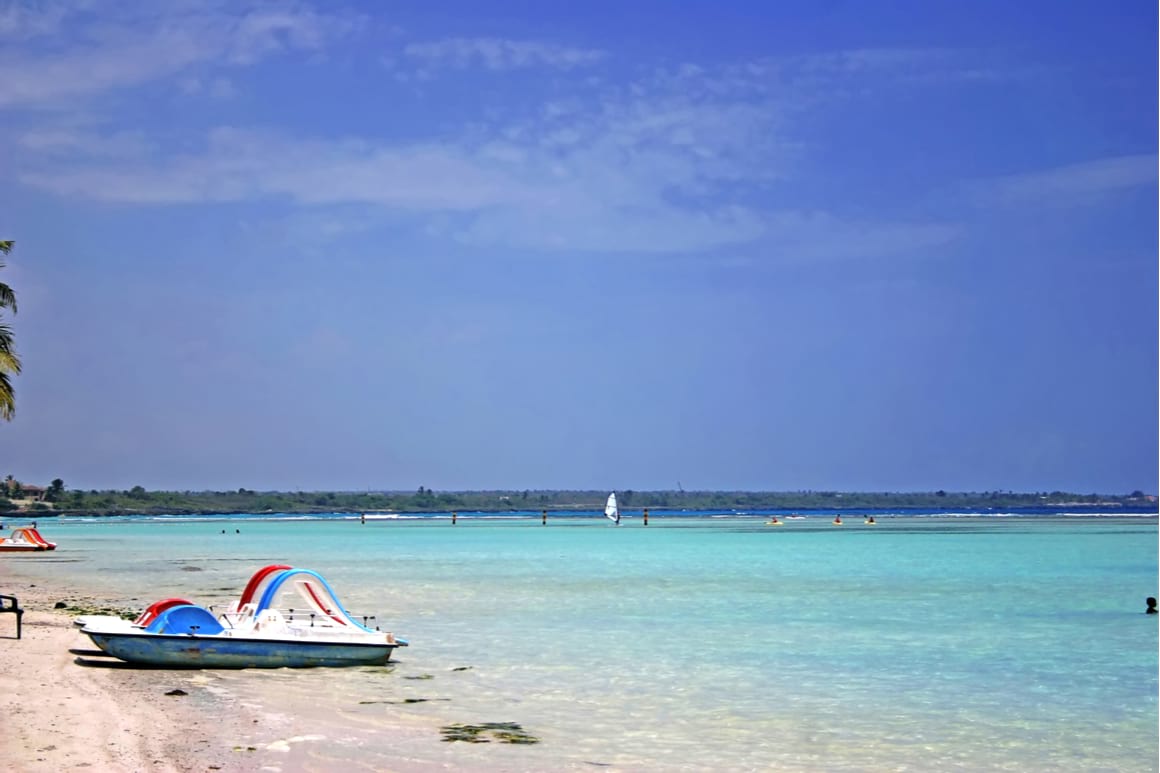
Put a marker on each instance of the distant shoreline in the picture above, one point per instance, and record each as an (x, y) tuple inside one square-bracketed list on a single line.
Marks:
[(138, 501), (1024, 512)]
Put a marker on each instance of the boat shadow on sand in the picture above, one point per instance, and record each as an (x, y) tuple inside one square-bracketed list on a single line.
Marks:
[(93, 658), (99, 659)]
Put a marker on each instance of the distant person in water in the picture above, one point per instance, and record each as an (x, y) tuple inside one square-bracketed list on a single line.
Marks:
[(1151, 610), (837, 520)]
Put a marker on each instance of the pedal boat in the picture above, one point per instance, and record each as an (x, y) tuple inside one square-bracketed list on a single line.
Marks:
[(296, 622), (25, 540)]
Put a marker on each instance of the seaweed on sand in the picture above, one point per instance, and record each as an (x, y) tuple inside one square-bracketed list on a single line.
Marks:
[(504, 732), (75, 608)]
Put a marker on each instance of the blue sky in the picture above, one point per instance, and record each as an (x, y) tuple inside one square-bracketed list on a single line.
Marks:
[(734, 245)]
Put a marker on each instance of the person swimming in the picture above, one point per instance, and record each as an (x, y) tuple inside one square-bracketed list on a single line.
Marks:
[(1151, 610)]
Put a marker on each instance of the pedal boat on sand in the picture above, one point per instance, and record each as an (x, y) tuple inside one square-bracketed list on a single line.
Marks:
[(286, 618), (25, 540), (254, 589)]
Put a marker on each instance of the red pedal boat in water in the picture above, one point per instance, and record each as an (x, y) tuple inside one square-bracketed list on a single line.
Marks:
[(25, 540)]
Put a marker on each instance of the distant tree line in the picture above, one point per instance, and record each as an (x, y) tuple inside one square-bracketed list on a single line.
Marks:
[(425, 500)]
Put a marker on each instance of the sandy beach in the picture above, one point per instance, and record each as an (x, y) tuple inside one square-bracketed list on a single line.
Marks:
[(65, 709)]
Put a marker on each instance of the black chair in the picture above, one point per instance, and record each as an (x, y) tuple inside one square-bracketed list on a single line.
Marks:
[(10, 605)]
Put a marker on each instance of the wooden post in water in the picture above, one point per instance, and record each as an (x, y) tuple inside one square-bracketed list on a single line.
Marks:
[(646, 516)]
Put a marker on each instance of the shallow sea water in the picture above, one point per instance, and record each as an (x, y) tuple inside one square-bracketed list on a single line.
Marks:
[(694, 644)]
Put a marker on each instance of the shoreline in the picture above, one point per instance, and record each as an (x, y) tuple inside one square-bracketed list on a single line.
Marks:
[(72, 709), (1079, 511), (69, 710), (556, 502)]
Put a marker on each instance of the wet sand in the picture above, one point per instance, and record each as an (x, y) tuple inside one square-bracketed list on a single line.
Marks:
[(65, 708)]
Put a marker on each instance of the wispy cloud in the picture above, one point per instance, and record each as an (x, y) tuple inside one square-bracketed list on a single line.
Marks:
[(498, 54), (914, 65), (647, 168), (21, 21), (599, 228), (1072, 183), (240, 165), (216, 88), (812, 236), (676, 159), (94, 56), (73, 143), (599, 197)]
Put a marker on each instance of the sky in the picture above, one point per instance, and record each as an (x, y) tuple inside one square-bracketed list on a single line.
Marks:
[(740, 245)]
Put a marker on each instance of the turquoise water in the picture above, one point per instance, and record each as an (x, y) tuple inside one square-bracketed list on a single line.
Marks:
[(696, 643)]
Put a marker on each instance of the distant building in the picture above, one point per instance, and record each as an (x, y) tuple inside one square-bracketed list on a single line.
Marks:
[(18, 490), (35, 493)]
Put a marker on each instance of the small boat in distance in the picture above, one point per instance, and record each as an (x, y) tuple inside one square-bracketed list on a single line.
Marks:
[(611, 511), (25, 539), (296, 621)]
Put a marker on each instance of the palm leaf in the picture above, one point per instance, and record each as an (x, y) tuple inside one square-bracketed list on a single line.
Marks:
[(7, 398), (9, 362)]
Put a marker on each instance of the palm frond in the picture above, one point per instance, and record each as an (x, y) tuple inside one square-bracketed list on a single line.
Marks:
[(7, 398), (7, 297), (9, 362)]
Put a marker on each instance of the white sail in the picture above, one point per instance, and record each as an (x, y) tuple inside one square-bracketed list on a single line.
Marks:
[(611, 511)]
